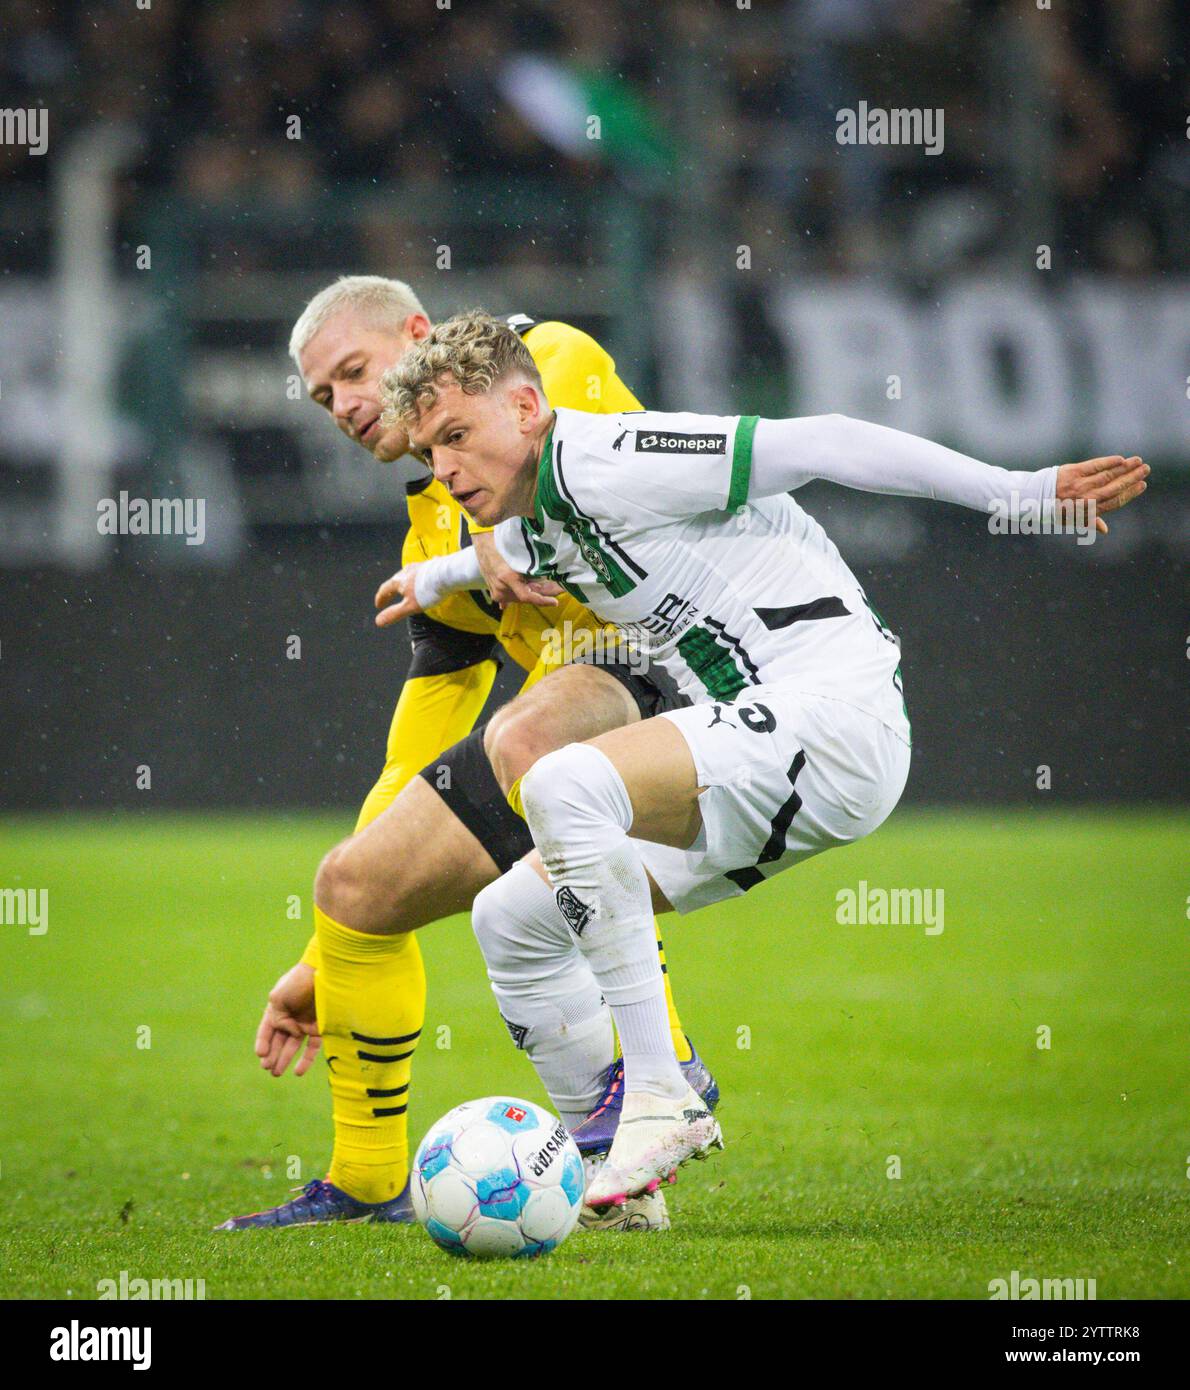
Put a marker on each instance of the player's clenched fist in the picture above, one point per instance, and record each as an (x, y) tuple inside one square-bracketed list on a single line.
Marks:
[(1110, 483), (289, 1020)]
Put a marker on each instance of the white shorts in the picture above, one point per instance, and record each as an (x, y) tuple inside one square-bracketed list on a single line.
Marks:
[(787, 776)]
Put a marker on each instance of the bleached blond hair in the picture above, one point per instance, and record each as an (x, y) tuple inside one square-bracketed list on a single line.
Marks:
[(387, 304), (473, 348)]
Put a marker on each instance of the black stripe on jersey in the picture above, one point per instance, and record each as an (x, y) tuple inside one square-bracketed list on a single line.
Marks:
[(747, 879), (536, 563), (384, 1057), (778, 829), (488, 607), (387, 1042), (416, 485), (438, 650), (775, 618), (736, 645), (595, 526), (374, 1094), (781, 822), (384, 1110)]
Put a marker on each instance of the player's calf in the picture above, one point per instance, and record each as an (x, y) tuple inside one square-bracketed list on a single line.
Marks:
[(545, 991), (580, 813)]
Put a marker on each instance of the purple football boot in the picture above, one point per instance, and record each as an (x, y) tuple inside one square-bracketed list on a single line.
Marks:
[(595, 1134), (322, 1201)]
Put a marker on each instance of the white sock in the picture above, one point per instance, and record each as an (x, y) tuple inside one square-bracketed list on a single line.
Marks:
[(579, 811), (547, 995)]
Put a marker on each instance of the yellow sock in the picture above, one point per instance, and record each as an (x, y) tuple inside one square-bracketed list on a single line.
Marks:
[(371, 996), (514, 798), (681, 1044)]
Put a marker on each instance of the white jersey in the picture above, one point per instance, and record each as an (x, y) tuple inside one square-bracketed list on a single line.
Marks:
[(647, 519)]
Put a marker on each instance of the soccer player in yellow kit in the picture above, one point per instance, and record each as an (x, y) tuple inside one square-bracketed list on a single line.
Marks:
[(358, 991)]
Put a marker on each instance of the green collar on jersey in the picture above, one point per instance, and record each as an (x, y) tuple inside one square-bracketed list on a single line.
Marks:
[(545, 495)]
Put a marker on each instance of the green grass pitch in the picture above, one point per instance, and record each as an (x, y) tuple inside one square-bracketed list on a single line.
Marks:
[(838, 1047)]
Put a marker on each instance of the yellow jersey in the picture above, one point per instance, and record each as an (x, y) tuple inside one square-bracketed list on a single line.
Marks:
[(455, 644)]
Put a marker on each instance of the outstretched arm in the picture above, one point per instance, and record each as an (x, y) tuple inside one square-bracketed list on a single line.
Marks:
[(423, 583), (873, 458)]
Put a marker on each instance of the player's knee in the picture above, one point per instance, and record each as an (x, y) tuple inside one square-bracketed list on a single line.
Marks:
[(495, 744), (571, 787), (343, 891), (549, 785), (333, 883), (514, 740)]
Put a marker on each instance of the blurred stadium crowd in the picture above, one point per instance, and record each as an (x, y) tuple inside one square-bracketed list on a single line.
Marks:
[(1082, 106), (277, 143)]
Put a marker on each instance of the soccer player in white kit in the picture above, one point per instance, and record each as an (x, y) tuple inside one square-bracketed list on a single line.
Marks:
[(679, 529)]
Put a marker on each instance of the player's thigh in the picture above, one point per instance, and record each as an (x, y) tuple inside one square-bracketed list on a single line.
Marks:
[(658, 771), (785, 775), (576, 702), (416, 862), (570, 705)]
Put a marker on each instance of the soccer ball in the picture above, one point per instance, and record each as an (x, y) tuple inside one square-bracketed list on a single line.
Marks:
[(498, 1177)]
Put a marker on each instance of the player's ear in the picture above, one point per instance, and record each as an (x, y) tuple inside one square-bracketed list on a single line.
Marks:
[(529, 405), (417, 326)]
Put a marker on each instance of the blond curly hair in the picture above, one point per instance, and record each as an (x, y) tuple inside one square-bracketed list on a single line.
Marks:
[(474, 348)]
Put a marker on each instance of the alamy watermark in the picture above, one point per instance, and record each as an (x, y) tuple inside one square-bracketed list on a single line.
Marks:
[(153, 516), (26, 907), (873, 125), (1029, 1289), (865, 906), (26, 126), (592, 647), (80, 1342), (128, 1288), (1033, 516)]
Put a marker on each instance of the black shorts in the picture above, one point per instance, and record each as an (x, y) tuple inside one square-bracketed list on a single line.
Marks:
[(653, 694), (464, 779)]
